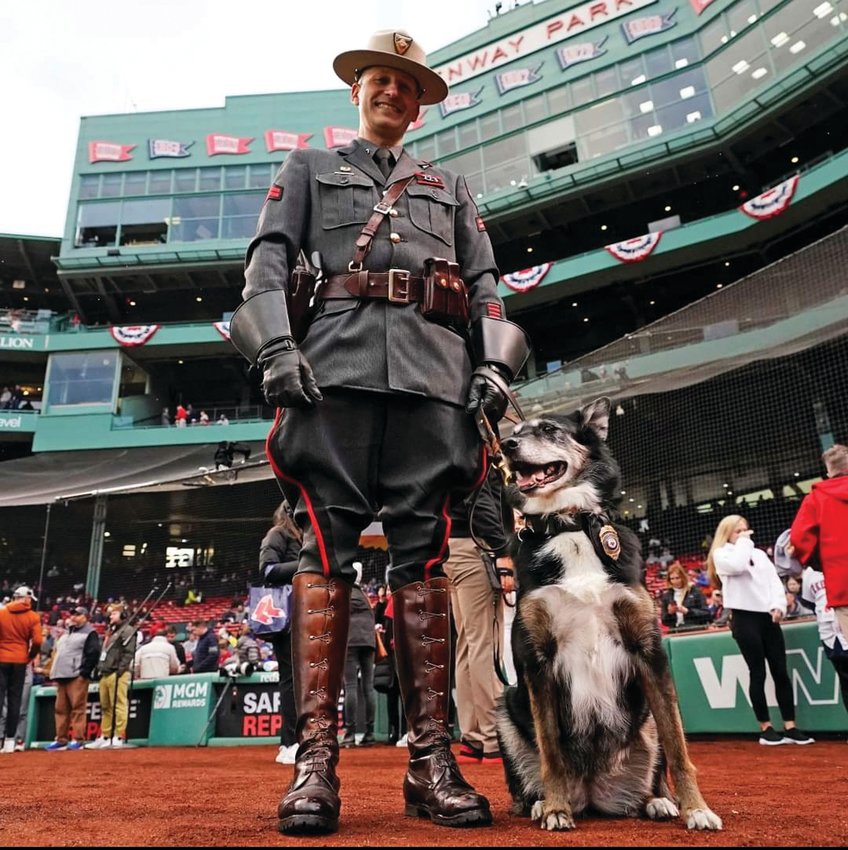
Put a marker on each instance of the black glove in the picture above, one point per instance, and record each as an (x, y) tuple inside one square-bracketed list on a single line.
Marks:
[(287, 379), (487, 394), (93, 676)]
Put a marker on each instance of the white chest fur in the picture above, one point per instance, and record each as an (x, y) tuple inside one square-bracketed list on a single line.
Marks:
[(590, 658)]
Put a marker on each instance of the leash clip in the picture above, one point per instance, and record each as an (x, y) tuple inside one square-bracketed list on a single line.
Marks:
[(492, 443)]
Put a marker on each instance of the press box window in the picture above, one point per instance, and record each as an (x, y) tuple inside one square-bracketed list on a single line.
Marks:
[(553, 145), (97, 224), (143, 222), (78, 378)]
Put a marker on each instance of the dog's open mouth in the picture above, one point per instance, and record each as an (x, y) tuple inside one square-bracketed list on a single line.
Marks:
[(530, 477)]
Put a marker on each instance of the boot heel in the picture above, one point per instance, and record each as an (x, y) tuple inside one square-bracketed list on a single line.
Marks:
[(412, 811)]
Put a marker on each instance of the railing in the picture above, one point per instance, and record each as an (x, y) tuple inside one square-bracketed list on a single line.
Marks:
[(232, 415)]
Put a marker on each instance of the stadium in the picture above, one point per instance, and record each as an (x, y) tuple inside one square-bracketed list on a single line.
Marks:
[(664, 184)]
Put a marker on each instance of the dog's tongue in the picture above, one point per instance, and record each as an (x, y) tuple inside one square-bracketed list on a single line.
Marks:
[(531, 480)]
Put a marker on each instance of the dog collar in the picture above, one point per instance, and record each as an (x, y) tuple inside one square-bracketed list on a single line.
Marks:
[(597, 527)]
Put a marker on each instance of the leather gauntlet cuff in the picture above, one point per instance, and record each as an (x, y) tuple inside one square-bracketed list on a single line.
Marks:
[(500, 343), (259, 322)]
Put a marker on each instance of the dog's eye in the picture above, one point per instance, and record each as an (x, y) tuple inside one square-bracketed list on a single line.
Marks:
[(547, 428)]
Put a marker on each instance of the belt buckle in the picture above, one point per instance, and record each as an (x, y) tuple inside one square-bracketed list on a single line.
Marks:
[(398, 288), (383, 208)]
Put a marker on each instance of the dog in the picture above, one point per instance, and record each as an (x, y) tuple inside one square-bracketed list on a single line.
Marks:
[(593, 720)]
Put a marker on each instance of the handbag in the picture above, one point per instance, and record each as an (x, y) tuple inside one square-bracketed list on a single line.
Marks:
[(384, 674), (269, 609)]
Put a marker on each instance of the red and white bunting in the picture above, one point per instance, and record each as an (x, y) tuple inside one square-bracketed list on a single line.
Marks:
[(526, 279), (773, 201), (133, 335), (634, 250), (223, 328)]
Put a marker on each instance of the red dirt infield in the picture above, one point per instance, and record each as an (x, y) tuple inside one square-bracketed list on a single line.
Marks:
[(227, 797)]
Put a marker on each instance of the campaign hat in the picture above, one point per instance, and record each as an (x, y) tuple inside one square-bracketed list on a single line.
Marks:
[(393, 49)]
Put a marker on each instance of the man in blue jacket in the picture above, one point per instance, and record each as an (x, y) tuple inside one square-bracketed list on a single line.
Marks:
[(205, 657)]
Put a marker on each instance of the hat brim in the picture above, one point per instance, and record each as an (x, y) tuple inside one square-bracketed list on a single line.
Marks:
[(346, 65)]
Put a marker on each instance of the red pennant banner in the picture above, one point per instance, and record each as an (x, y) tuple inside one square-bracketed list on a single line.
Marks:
[(700, 5), (773, 201), (133, 335), (526, 279), (338, 137), (223, 328), (634, 250), (109, 152), (216, 144), (282, 140)]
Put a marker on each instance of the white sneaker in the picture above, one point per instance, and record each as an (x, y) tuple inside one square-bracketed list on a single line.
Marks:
[(117, 744), (286, 755), (19, 746), (98, 744), (8, 746), (402, 741)]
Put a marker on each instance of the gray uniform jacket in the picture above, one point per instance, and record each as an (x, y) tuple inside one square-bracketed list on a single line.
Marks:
[(319, 202)]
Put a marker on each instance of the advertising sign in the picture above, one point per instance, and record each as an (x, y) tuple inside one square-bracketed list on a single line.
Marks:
[(249, 711), (138, 725)]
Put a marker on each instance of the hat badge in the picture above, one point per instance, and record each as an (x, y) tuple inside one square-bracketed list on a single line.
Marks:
[(402, 43)]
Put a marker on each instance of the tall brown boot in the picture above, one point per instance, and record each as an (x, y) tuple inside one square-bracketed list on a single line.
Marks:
[(434, 786), (320, 617)]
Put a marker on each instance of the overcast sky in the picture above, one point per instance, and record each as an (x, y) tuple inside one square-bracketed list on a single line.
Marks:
[(63, 59)]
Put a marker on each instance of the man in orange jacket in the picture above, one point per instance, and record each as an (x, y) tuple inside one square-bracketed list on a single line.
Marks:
[(20, 642)]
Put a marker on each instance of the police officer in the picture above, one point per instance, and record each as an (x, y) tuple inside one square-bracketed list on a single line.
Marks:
[(380, 396)]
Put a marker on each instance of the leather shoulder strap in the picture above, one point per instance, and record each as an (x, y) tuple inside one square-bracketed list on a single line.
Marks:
[(363, 242)]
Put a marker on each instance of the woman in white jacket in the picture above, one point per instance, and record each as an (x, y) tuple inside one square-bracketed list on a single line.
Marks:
[(757, 598)]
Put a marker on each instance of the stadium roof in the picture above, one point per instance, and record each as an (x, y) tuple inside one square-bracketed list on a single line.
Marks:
[(62, 476)]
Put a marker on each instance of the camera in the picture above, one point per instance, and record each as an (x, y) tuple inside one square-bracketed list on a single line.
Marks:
[(235, 669)]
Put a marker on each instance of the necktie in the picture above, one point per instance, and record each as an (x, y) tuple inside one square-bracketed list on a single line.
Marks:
[(384, 161)]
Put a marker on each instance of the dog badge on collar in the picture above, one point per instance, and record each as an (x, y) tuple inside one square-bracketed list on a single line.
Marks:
[(610, 542)]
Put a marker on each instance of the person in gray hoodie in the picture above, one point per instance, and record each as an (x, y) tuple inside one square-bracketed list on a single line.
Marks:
[(74, 659)]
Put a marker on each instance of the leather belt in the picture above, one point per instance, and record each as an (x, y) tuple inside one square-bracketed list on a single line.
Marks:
[(396, 285)]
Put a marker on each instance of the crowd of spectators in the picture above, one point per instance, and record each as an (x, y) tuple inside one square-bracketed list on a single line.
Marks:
[(685, 575), (12, 397)]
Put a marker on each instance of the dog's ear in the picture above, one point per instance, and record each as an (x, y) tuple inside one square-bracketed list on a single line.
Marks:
[(596, 416)]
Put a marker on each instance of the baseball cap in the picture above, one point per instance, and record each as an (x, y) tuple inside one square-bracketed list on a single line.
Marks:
[(24, 591), (80, 610)]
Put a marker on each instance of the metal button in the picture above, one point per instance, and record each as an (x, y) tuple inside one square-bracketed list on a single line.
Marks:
[(393, 212), (395, 237), (345, 180)]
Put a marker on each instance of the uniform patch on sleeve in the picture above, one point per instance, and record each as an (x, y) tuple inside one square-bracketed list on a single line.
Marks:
[(425, 179), (493, 310), (275, 193), (481, 225)]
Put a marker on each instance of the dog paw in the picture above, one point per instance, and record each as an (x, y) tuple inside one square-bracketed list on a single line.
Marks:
[(703, 819), (552, 819), (661, 808)]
